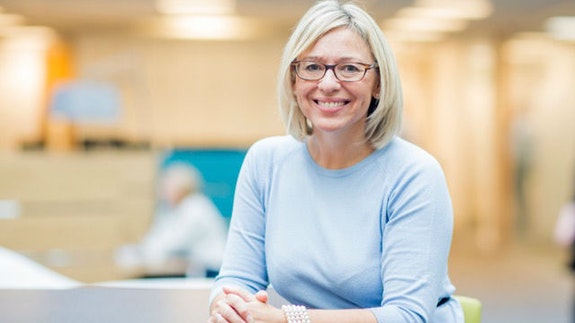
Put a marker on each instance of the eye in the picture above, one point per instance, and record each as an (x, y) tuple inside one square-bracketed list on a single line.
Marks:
[(349, 68), (312, 67)]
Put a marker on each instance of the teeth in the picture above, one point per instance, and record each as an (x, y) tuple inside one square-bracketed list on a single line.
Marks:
[(331, 104)]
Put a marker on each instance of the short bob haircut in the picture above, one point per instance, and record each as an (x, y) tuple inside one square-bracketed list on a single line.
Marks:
[(385, 121)]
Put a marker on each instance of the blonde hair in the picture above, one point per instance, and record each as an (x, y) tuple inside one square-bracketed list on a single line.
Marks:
[(385, 121)]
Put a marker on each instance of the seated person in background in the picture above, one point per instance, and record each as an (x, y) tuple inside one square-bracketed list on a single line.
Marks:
[(188, 233)]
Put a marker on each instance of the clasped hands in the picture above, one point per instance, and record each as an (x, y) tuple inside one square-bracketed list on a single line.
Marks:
[(235, 305)]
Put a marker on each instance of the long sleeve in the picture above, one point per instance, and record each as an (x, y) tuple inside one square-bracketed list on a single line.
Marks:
[(372, 236), (244, 258), (416, 240)]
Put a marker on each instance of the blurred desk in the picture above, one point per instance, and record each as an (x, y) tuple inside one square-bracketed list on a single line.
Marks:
[(127, 301)]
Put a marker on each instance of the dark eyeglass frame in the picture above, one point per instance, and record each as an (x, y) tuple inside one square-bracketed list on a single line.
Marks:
[(327, 67)]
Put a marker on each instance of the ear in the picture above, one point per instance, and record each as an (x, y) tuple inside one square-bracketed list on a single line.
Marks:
[(376, 89)]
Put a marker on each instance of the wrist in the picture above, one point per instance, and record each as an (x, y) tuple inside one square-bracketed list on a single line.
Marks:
[(280, 316)]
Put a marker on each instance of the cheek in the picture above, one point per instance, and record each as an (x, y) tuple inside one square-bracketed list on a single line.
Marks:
[(296, 88), (298, 93)]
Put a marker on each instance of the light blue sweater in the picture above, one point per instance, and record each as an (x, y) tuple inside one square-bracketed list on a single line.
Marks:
[(375, 235)]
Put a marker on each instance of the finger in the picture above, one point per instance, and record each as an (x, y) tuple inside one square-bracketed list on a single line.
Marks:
[(214, 318), (240, 306), (225, 313), (240, 292), (262, 296), (220, 319)]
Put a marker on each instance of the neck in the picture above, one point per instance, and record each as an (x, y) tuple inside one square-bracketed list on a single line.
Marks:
[(337, 154)]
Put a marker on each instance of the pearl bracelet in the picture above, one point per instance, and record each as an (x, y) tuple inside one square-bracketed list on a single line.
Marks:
[(296, 314)]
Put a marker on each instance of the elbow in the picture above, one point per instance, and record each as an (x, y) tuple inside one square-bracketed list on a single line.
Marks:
[(400, 314)]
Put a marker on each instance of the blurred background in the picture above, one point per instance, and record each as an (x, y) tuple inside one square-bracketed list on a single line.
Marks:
[(96, 95)]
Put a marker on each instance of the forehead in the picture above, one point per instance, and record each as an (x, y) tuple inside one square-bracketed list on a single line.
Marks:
[(339, 43)]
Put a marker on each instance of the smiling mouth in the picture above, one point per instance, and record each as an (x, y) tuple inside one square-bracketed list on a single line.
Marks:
[(333, 104)]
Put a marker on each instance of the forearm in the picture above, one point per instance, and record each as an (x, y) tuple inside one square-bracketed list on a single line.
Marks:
[(256, 307), (342, 316)]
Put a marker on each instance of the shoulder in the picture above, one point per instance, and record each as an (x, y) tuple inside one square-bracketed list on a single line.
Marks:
[(401, 152), (275, 143), (404, 161), (273, 149), (199, 201)]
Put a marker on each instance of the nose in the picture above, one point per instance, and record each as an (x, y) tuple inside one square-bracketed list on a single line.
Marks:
[(329, 82)]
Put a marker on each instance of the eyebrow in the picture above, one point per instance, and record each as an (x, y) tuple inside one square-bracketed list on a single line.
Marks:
[(339, 59)]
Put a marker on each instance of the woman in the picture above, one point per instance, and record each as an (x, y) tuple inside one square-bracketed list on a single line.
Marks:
[(343, 218)]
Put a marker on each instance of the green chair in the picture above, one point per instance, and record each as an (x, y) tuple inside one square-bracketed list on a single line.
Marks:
[(471, 308)]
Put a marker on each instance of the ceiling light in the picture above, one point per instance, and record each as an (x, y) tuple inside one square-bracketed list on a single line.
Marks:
[(200, 7), (462, 9), (10, 20), (205, 27), (425, 24), (448, 13), (410, 36), (561, 27), (27, 31)]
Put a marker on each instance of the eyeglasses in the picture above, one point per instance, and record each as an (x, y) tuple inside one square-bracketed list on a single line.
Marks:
[(345, 72)]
